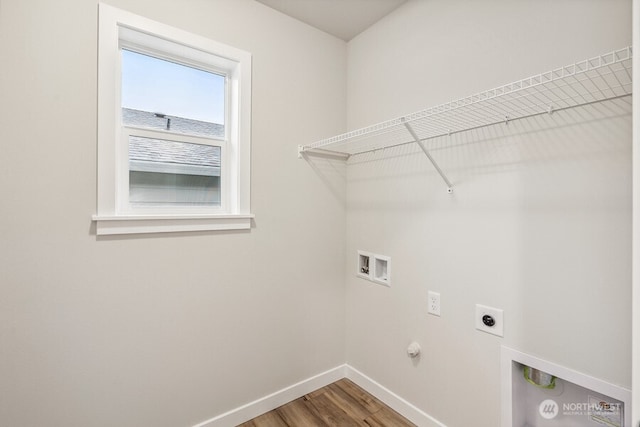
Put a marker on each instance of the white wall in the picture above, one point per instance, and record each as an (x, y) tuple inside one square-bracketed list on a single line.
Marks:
[(636, 221), (171, 330), (165, 330), (539, 223)]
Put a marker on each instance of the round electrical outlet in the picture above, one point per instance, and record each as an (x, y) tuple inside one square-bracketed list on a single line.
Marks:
[(488, 320)]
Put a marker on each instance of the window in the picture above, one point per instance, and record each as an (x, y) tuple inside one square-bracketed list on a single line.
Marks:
[(173, 129)]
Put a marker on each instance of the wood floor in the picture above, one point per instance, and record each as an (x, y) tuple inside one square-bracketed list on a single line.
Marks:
[(341, 404)]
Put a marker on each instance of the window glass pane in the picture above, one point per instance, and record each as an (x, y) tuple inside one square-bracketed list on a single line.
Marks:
[(172, 173), (165, 95)]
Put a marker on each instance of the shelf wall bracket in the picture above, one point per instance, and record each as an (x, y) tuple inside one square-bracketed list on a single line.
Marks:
[(318, 152), (426, 152)]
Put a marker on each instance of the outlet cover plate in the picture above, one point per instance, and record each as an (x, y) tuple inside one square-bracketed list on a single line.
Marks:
[(498, 317), (433, 303)]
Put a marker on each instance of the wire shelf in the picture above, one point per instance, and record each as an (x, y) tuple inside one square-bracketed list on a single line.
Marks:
[(586, 82)]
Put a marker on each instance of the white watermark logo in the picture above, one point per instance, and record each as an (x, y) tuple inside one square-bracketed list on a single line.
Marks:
[(596, 409), (548, 409)]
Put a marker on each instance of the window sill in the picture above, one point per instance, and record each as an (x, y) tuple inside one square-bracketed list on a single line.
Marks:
[(138, 224)]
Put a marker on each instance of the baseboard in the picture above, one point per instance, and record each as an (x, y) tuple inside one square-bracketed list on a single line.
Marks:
[(401, 406), (258, 407)]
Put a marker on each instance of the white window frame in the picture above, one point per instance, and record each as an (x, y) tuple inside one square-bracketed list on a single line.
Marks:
[(118, 29)]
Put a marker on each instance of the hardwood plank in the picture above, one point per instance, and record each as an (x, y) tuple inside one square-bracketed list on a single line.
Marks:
[(359, 394), (341, 404), (347, 403), (270, 419), (387, 417), (316, 393), (333, 415), (300, 413)]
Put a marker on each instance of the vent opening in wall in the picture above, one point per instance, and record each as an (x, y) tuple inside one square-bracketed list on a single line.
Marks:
[(538, 393)]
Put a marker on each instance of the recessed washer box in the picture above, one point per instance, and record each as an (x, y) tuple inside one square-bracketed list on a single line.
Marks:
[(373, 267)]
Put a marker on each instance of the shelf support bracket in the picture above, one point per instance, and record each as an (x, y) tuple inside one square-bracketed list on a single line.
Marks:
[(318, 152), (426, 152)]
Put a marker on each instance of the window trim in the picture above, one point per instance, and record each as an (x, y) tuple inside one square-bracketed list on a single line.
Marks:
[(117, 29)]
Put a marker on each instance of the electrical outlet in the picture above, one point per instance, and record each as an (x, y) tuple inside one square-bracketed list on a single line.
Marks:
[(433, 306), (489, 320)]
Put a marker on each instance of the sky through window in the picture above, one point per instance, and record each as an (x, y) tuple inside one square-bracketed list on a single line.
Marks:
[(159, 86)]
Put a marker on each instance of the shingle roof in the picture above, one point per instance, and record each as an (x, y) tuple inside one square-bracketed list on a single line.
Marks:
[(166, 156), (176, 124), (163, 151)]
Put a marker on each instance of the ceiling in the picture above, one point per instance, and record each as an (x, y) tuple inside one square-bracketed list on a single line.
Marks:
[(344, 19)]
